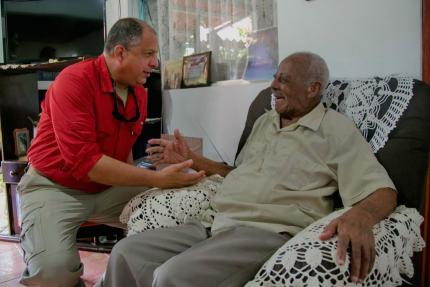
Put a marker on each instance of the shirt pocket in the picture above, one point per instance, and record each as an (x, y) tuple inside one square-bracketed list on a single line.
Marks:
[(136, 129), (298, 172), (253, 153), (106, 126)]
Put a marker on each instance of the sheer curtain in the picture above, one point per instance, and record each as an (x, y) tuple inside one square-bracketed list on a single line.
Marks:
[(242, 34)]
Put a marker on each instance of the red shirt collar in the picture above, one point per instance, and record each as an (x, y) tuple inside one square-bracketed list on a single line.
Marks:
[(105, 78)]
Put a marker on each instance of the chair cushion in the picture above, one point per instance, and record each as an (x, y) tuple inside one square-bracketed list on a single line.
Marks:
[(305, 260)]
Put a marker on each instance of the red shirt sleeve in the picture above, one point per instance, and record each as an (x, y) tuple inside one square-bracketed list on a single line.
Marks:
[(73, 116)]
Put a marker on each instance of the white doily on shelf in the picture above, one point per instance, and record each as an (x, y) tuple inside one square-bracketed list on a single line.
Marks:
[(374, 104), (157, 208), (307, 261)]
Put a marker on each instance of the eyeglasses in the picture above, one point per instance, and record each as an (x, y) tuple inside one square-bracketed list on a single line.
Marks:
[(117, 115)]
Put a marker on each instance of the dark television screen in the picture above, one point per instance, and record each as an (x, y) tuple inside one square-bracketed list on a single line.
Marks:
[(38, 30)]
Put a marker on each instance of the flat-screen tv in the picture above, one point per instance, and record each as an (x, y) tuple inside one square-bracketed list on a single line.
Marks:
[(35, 31)]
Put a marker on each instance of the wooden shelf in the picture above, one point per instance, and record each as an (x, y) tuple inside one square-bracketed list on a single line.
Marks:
[(29, 68)]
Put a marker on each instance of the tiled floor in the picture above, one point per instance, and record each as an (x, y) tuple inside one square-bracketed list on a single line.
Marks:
[(11, 265)]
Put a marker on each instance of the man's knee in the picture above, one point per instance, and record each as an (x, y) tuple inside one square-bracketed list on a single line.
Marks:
[(174, 272), (122, 249), (121, 256), (177, 271), (60, 268)]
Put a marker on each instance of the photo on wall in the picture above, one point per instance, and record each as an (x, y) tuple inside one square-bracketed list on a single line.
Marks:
[(196, 70), (21, 138), (172, 74), (262, 55)]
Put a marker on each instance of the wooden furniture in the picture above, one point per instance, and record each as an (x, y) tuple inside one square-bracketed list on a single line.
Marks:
[(21, 91), (20, 96), (12, 172), (18, 100)]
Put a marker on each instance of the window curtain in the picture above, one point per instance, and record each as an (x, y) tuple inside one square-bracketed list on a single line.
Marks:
[(242, 34)]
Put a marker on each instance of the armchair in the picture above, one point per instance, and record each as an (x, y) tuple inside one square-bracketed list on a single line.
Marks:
[(405, 153), (393, 115)]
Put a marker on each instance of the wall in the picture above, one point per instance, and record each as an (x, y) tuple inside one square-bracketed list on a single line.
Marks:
[(216, 113), (357, 38), (117, 9)]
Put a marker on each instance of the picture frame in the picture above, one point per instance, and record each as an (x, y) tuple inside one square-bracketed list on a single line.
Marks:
[(172, 74), (21, 138), (262, 62), (196, 70)]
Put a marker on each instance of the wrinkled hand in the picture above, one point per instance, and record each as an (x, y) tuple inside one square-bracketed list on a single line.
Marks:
[(175, 176), (354, 229), (168, 151)]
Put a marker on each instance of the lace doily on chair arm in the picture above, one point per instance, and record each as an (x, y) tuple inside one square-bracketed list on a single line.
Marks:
[(307, 261), (157, 208)]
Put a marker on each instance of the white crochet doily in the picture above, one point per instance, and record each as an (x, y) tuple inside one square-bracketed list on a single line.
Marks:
[(157, 208), (307, 261), (374, 104)]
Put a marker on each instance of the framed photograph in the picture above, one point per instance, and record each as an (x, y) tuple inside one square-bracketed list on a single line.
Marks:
[(172, 74), (196, 70), (262, 55), (21, 138)]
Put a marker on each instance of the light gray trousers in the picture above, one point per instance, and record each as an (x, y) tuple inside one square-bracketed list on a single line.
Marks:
[(51, 216), (187, 255)]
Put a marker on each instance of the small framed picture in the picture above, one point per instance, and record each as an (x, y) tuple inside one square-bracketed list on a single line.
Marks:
[(172, 74), (196, 70), (22, 141)]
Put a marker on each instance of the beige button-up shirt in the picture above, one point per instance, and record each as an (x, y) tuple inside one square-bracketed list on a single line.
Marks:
[(285, 177)]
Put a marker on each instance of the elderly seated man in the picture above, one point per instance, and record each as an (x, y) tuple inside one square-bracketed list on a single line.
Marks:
[(295, 159)]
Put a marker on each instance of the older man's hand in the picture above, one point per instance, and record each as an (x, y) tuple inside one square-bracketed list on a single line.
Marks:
[(354, 230), (164, 151)]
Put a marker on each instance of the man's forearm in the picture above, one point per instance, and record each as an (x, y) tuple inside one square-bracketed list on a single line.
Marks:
[(110, 171), (379, 204), (210, 166)]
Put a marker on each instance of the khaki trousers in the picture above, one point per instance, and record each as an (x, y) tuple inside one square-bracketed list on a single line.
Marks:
[(51, 216), (189, 256)]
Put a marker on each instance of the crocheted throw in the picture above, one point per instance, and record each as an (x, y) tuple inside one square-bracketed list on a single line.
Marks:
[(307, 261), (157, 208)]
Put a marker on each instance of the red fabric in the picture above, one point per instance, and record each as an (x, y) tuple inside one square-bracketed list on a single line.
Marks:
[(77, 127)]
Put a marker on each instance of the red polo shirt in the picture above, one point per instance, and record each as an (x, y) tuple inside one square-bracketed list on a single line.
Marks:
[(77, 127)]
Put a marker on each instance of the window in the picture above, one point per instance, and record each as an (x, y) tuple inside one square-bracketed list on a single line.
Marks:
[(242, 34)]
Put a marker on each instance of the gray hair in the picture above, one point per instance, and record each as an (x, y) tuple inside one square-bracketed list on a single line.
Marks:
[(127, 32), (317, 70)]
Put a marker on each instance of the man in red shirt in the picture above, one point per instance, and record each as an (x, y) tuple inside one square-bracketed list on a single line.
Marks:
[(81, 161)]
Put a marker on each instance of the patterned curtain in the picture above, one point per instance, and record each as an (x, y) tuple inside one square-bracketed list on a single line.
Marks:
[(242, 34)]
